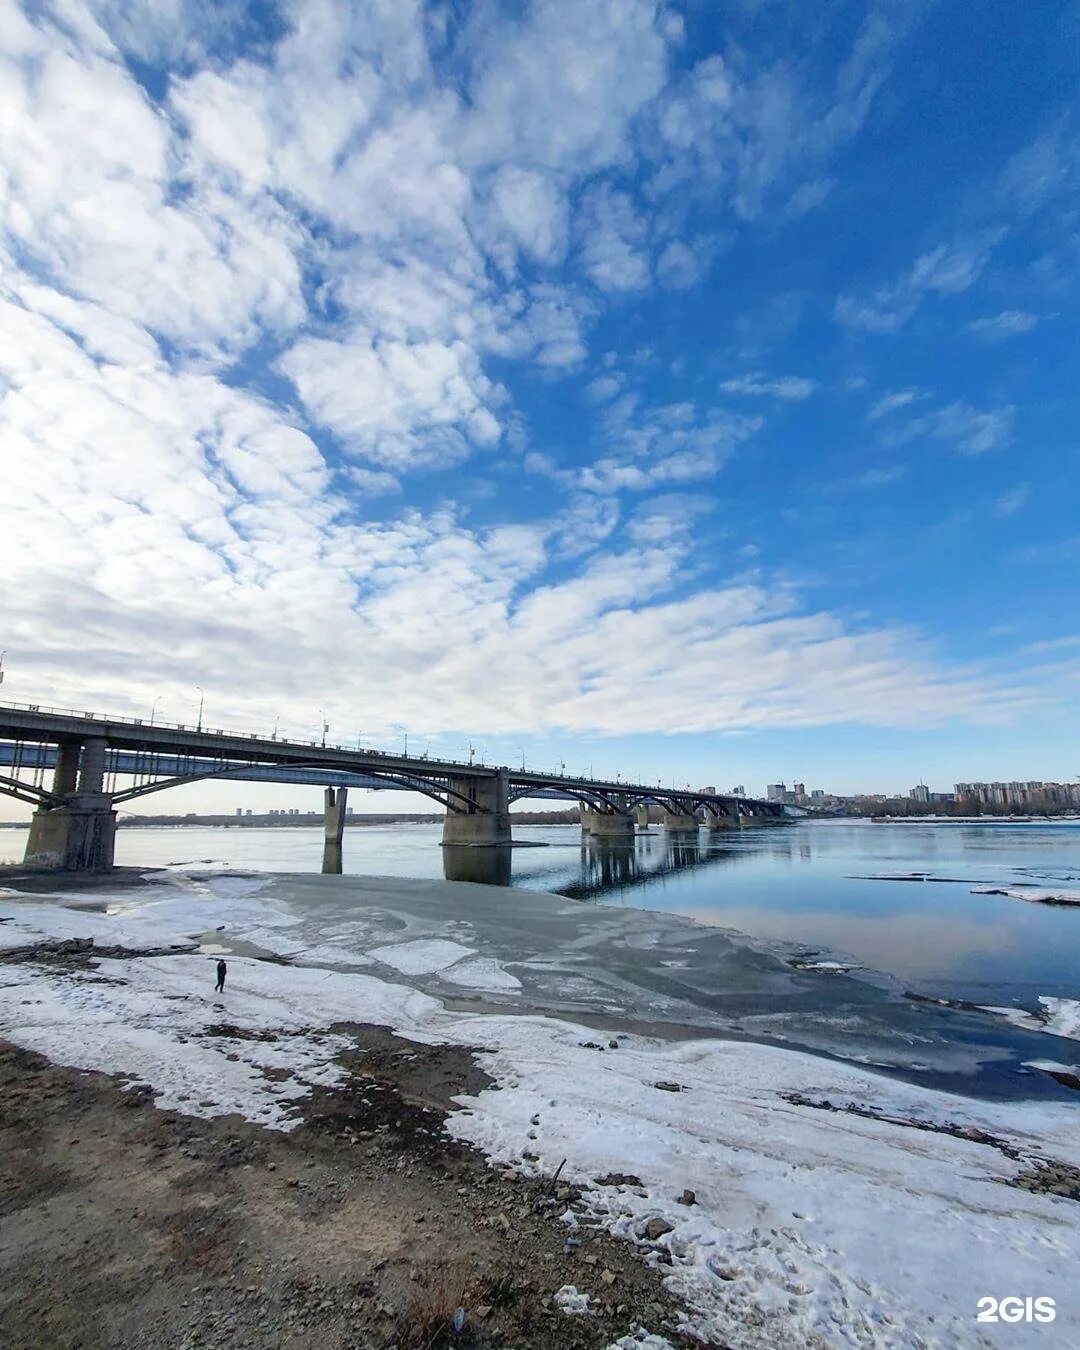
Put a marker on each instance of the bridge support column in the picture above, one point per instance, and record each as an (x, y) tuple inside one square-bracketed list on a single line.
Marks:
[(78, 835), (66, 771), (333, 829), (483, 819), (680, 822), (641, 815), (611, 825), (585, 815), (717, 818)]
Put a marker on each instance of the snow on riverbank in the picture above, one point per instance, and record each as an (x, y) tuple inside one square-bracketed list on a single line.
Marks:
[(810, 1227)]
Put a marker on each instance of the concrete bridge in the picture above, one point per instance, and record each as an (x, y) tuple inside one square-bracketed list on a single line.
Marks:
[(69, 766)]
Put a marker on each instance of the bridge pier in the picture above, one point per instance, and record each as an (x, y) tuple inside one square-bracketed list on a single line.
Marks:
[(483, 818), (333, 829), (680, 822), (79, 833), (717, 818), (611, 825)]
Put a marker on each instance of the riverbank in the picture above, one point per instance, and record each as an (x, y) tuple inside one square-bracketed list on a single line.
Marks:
[(781, 1199), (365, 1225)]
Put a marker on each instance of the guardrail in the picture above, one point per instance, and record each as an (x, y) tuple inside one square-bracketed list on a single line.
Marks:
[(561, 775)]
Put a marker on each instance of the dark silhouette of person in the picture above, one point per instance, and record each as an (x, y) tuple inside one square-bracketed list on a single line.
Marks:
[(221, 969)]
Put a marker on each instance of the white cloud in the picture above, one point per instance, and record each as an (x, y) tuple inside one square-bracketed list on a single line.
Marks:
[(947, 269), (1012, 501), (790, 388), (533, 210), (755, 135), (604, 387), (679, 266), (394, 403), (666, 446), (889, 403), (613, 241), (972, 431), (1008, 323)]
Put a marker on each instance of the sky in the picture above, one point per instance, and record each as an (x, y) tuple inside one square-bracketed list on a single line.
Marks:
[(687, 390)]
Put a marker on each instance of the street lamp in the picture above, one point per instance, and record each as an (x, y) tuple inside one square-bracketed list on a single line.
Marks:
[(277, 720), (325, 727), (2, 655), (153, 707), (522, 754), (198, 726)]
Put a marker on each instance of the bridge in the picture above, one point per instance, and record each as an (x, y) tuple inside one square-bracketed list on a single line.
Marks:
[(76, 768)]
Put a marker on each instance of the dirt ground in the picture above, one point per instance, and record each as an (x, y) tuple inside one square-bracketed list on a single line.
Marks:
[(123, 1225)]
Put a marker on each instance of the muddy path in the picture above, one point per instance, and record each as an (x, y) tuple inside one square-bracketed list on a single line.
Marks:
[(124, 1225)]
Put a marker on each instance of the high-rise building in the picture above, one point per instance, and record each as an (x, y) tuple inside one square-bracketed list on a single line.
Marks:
[(776, 792), (920, 793)]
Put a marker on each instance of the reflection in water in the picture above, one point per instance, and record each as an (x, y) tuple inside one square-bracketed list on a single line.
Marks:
[(614, 866), (491, 866)]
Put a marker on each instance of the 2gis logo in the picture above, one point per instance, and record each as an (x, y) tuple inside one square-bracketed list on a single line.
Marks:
[(1013, 1309)]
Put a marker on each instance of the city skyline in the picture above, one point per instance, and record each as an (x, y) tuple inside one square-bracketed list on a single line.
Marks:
[(631, 386)]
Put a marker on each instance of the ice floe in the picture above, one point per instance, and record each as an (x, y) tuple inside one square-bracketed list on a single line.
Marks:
[(1059, 1016), (1035, 895)]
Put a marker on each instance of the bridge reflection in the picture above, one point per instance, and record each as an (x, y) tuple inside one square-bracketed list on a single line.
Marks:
[(612, 865)]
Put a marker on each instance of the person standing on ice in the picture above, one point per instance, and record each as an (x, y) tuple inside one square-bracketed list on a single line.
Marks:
[(221, 969)]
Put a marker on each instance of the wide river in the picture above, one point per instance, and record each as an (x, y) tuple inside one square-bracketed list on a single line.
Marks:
[(863, 940)]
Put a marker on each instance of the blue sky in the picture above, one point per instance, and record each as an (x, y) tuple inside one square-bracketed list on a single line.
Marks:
[(682, 389)]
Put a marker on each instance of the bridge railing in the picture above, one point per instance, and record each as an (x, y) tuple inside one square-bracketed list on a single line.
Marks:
[(156, 723), (560, 775)]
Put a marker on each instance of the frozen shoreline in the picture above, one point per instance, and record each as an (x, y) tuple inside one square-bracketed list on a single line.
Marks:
[(810, 1226)]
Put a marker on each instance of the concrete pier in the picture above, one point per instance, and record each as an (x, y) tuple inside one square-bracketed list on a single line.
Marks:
[(79, 833), (611, 825), (334, 829), (79, 836), (482, 819), (66, 770), (680, 822)]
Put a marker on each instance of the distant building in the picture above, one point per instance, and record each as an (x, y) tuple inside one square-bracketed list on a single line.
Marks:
[(739, 791), (239, 810), (1033, 795), (799, 790), (817, 795), (776, 792), (248, 811), (920, 793), (711, 791)]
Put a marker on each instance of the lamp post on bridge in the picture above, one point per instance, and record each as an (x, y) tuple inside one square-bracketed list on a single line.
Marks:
[(325, 727), (153, 708), (198, 726)]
